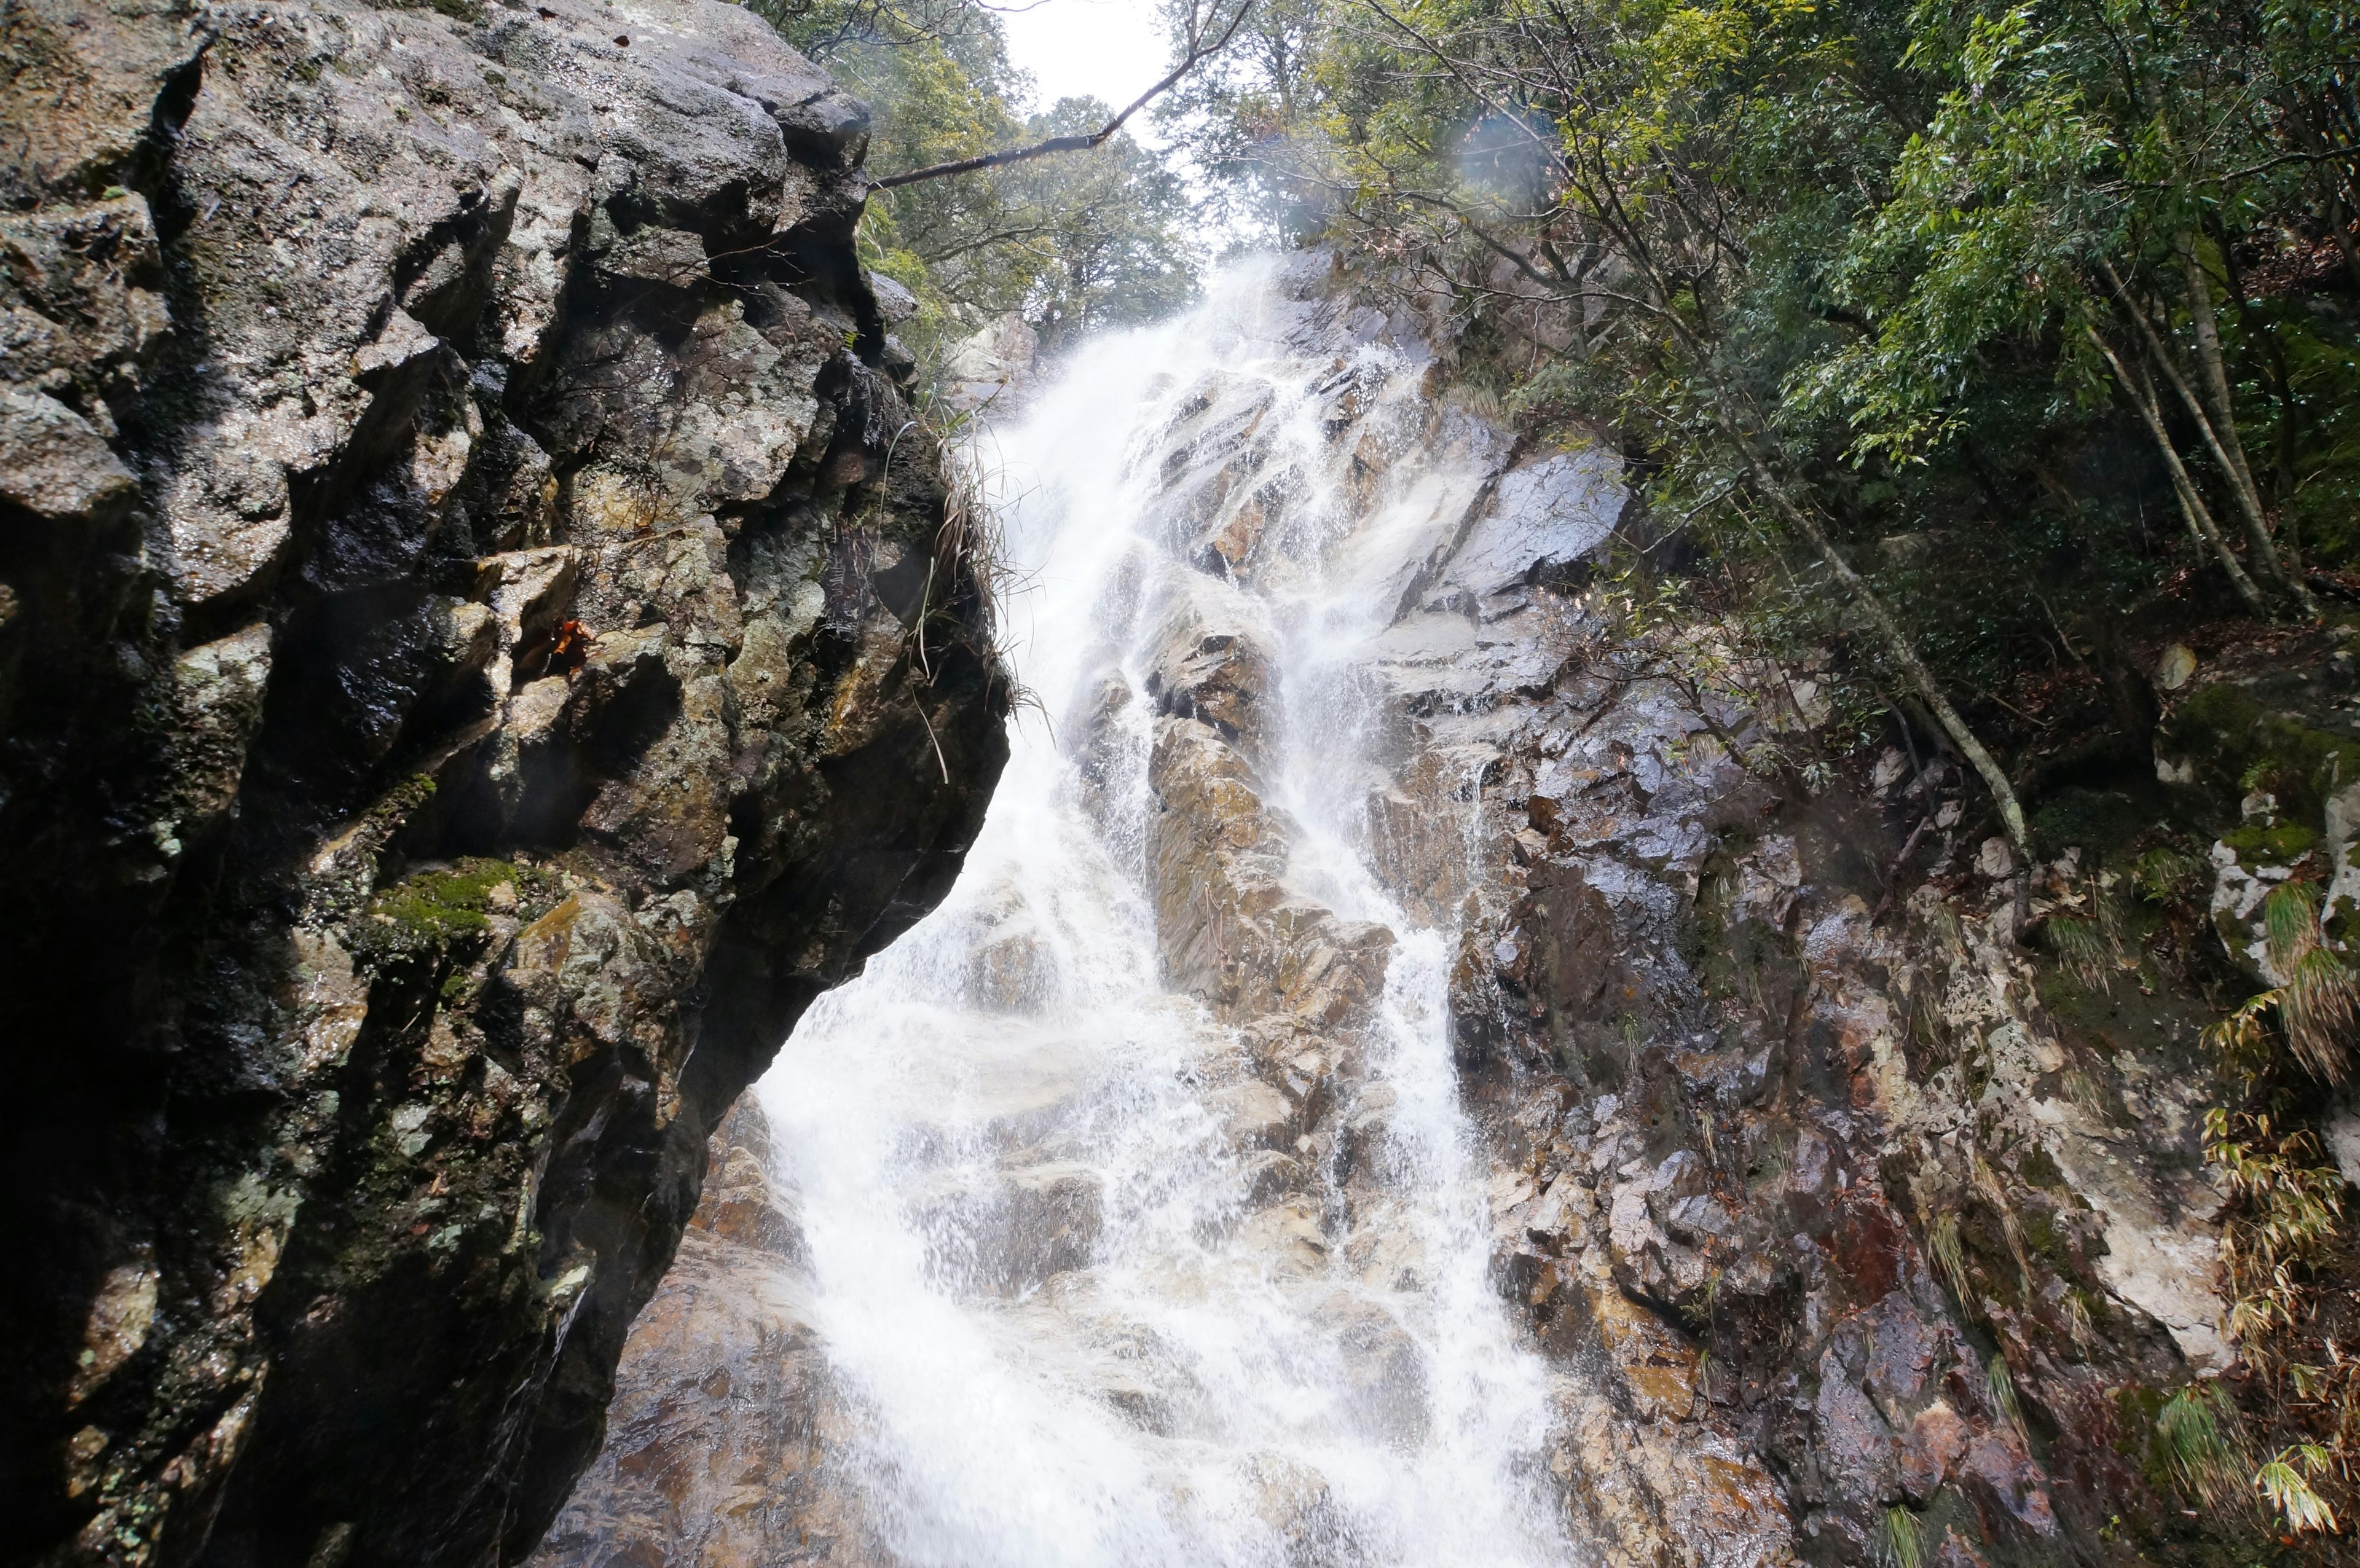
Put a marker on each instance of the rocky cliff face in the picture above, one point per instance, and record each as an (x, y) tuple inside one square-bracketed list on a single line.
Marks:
[(1873, 1229), (1853, 1229), (480, 649)]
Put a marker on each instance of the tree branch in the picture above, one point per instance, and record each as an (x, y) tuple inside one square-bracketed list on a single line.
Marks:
[(1202, 46)]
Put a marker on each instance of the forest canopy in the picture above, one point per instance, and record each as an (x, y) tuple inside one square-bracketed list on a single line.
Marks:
[(1072, 243)]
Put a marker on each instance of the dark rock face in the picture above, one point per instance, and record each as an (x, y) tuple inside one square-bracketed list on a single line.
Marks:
[(460, 697)]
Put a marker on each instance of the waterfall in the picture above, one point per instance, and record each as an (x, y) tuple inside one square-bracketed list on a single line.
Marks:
[(1142, 1221)]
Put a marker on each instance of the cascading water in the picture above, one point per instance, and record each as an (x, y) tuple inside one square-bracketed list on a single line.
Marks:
[(1131, 1246)]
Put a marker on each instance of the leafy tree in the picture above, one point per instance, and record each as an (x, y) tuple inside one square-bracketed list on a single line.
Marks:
[(1918, 316)]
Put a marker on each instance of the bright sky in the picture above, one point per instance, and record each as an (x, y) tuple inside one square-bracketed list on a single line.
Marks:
[(1112, 50)]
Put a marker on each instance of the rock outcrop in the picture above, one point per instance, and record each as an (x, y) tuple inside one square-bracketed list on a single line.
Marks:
[(1876, 1233), (479, 651)]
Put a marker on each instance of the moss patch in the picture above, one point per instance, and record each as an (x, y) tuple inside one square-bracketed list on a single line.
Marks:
[(2283, 844), (2238, 746), (435, 909)]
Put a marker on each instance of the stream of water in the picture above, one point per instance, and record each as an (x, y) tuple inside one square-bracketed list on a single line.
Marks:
[(1069, 1319)]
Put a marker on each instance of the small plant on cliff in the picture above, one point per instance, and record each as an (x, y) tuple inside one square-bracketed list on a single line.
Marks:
[(1951, 1255), (2316, 1006), (2286, 1482), (970, 542), (2170, 877), (2002, 1397), (2201, 1446), (2282, 1238), (430, 910), (2285, 1206), (2287, 1199), (1902, 1539), (2086, 950)]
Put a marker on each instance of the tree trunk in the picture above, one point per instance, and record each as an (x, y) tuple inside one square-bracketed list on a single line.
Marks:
[(1970, 746), (2213, 374), (2240, 481), (2198, 516)]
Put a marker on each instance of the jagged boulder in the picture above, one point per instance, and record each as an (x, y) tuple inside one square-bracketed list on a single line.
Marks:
[(456, 709)]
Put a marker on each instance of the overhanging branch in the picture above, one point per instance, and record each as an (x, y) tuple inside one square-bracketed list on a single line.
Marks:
[(1201, 47)]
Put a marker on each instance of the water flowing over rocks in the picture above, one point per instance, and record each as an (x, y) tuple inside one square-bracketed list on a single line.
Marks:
[(480, 651), (1393, 1089)]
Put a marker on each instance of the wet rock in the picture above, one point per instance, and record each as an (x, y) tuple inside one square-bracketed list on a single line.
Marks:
[(1054, 1213), (219, 692), (54, 465), (1287, 1239), (1269, 1175), (1385, 1389), (727, 1328), (1295, 1500), (1254, 1115), (992, 366), (1229, 929), (1544, 518), (1205, 662), (376, 749)]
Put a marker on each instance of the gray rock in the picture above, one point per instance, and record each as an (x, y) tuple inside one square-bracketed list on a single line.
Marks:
[(378, 757), (53, 465), (1544, 518)]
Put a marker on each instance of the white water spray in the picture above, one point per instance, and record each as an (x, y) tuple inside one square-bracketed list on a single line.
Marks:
[(1069, 1319)]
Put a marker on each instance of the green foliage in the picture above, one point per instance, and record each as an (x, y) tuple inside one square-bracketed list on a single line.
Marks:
[(2314, 1010), (2200, 1446), (2086, 949), (2286, 1480), (1857, 270), (2286, 1208), (2171, 876), (1902, 1539)]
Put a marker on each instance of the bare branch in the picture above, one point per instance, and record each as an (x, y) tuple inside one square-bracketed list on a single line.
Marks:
[(1201, 47)]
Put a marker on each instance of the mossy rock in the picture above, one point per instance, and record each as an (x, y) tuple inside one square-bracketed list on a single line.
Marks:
[(2281, 843), (2037, 1167), (2237, 746), (434, 908)]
